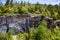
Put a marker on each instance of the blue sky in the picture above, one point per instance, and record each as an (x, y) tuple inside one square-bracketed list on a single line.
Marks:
[(40, 1)]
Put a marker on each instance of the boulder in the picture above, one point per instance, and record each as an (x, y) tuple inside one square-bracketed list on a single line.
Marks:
[(50, 22)]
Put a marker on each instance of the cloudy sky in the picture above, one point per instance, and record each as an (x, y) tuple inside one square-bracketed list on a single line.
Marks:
[(40, 1)]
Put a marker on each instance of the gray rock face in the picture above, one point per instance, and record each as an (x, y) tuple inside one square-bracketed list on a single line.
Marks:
[(22, 23), (19, 23)]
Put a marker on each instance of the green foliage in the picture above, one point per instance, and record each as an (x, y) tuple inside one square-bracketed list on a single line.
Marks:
[(37, 12), (24, 10), (56, 34), (15, 10), (52, 11), (10, 10), (41, 33), (4, 9), (22, 36), (7, 36), (0, 11)]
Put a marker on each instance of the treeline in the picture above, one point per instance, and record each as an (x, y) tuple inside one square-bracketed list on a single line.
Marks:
[(11, 8)]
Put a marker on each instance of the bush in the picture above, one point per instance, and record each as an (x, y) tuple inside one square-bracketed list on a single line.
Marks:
[(22, 36), (11, 10), (7, 36), (24, 10), (0, 11), (37, 12)]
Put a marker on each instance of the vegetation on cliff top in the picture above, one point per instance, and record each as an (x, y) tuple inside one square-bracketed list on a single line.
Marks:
[(11, 8)]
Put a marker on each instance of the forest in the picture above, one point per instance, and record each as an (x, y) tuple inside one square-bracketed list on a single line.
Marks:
[(39, 33)]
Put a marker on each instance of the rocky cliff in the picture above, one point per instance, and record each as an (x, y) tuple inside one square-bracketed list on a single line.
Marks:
[(22, 23), (19, 23)]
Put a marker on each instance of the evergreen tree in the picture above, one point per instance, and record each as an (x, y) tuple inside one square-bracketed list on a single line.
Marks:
[(11, 3), (7, 2), (22, 3)]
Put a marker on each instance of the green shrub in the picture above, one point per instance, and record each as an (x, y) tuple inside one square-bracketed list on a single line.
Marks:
[(24, 10), (22, 36), (7, 36), (37, 12)]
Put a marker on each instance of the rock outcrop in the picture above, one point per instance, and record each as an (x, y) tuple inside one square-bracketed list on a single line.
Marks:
[(50, 22), (22, 23), (19, 23)]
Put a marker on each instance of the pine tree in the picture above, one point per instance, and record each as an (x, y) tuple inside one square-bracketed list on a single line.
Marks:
[(7, 2), (22, 3), (11, 2)]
